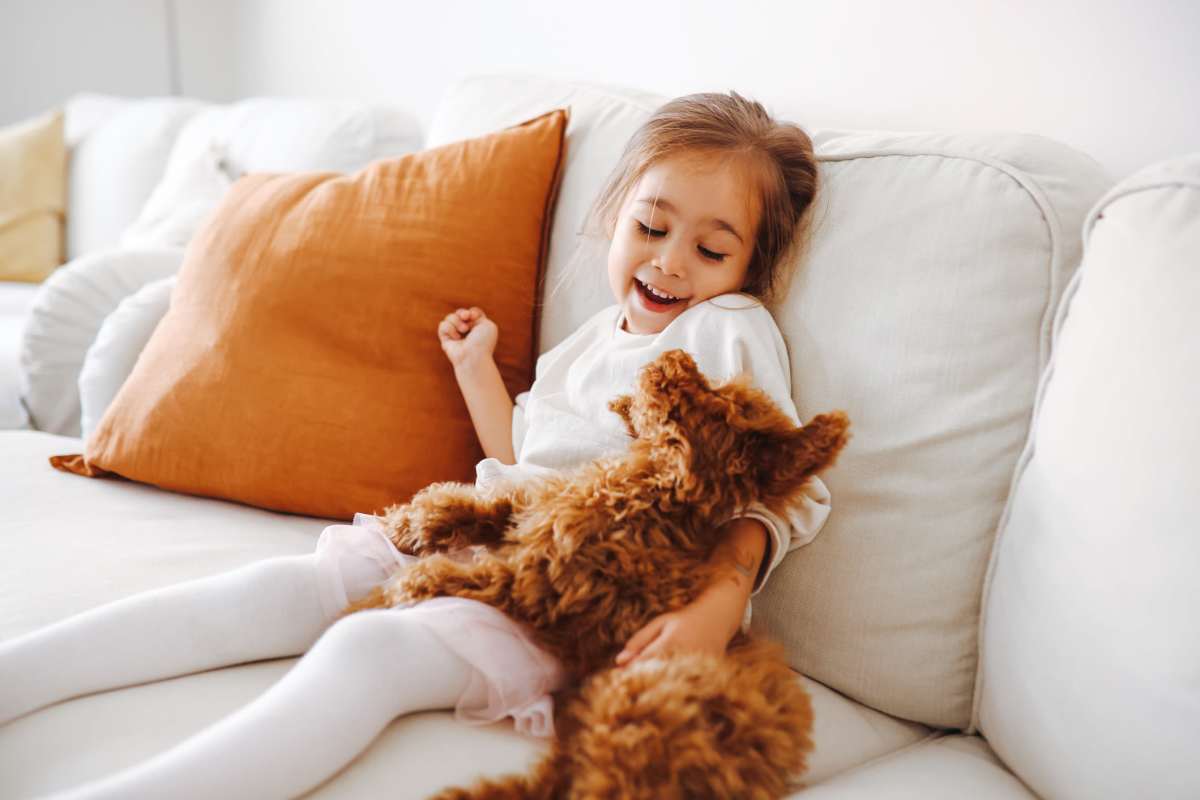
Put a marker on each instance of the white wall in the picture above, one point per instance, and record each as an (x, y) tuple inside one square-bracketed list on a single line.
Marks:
[(51, 49), (1119, 79)]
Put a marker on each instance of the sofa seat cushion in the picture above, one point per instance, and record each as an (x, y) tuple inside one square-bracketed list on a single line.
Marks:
[(936, 767), (119, 152), (67, 545)]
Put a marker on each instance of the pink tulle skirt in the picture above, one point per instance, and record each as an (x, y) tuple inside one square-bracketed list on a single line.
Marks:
[(517, 673)]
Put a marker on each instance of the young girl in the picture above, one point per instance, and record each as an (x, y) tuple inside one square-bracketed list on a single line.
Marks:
[(700, 211)]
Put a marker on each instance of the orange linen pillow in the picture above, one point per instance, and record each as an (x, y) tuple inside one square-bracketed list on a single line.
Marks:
[(298, 367)]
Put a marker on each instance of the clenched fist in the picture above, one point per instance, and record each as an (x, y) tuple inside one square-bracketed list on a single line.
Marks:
[(467, 336)]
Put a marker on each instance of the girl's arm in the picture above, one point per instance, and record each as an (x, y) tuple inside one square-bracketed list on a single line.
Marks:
[(490, 407), (468, 339), (711, 620)]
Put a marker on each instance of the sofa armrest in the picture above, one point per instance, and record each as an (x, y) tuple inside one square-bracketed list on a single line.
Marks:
[(67, 312)]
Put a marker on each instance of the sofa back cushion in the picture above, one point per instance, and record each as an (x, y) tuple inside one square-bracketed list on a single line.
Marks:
[(298, 366), (1091, 631), (923, 308)]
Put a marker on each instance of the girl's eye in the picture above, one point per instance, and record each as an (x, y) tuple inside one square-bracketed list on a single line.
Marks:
[(649, 231), (709, 254)]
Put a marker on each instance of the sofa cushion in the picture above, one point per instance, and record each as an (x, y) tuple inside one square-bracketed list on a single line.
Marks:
[(67, 545), (298, 367), (33, 168), (923, 308), (1091, 636)]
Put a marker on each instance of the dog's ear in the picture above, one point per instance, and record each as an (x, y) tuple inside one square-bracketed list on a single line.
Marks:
[(622, 406), (784, 461), (671, 375)]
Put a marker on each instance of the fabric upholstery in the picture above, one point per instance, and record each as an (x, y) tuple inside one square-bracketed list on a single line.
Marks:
[(32, 197), (298, 367), (1091, 636)]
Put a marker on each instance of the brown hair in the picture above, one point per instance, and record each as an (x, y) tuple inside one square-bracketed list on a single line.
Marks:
[(728, 125)]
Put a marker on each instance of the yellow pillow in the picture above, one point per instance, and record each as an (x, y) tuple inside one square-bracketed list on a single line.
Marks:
[(33, 194), (298, 367)]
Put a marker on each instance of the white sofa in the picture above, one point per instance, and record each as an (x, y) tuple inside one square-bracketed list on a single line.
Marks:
[(1002, 604)]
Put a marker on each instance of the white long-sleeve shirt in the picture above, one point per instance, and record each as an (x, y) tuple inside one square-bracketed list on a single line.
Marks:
[(564, 420)]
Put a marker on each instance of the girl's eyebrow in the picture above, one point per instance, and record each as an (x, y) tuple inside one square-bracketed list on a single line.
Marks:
[(669, 206)]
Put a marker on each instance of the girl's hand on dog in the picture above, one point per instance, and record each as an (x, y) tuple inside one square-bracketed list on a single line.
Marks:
[(687, 630), (467, 336)]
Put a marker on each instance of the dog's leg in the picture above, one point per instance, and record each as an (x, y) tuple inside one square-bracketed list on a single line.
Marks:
[(488, 580), (447, 516)]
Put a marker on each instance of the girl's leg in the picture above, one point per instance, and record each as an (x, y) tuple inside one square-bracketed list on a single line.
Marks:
[(366, 670), (268, 609)]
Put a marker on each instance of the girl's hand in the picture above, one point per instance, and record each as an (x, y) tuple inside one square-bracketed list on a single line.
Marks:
[(467, 336), (689, 629)]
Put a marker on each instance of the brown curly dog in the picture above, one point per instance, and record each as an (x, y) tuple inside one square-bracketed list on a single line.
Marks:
[(586, 558)]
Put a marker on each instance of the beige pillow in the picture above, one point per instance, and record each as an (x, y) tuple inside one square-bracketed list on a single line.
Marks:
[(33, 193)]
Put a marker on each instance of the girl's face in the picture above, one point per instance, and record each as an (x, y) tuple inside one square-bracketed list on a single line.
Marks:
[(684, 234)]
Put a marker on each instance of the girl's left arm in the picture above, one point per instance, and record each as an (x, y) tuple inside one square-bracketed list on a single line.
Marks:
[(711, 620)]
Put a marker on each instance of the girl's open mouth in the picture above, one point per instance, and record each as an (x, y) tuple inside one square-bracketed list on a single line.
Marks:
[(653, 299)]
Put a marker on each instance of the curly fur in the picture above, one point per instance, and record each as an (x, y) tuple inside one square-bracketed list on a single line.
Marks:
[(586, 558)]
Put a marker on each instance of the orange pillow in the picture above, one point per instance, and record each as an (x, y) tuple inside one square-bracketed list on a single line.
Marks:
[(298, 367)]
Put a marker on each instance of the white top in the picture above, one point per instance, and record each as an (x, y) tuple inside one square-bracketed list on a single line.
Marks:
[(564, 419)]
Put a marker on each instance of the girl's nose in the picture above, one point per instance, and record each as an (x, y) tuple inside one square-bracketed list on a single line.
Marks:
[(669, 261)]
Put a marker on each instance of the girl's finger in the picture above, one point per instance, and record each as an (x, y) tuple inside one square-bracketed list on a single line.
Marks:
[(463, 313), (476, 313), (639, 640), (657, 647)]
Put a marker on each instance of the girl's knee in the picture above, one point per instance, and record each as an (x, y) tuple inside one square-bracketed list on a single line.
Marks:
[(375, 631)]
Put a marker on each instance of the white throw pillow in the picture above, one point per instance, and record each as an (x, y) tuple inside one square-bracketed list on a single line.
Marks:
[(120, 157), (116, 348)]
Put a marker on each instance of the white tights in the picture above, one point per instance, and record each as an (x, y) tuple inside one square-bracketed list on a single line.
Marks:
[(361, 673)]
